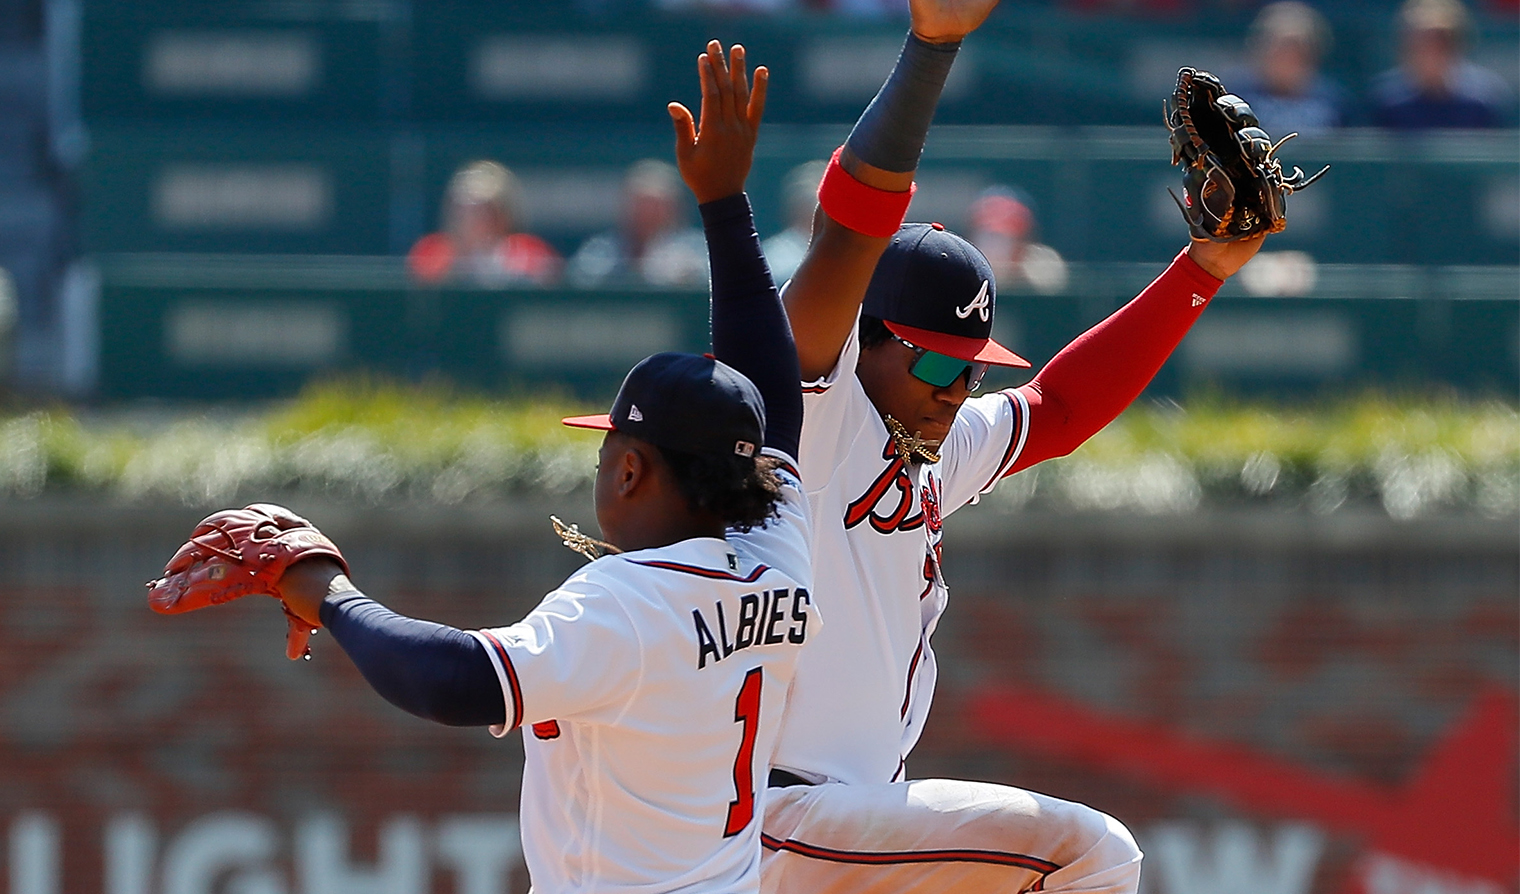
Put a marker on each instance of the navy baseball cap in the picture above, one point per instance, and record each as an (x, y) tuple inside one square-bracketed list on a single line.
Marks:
[(934, 289), (690, 403)]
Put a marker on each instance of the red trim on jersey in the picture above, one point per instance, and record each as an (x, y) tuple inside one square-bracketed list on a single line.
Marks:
[(815, 389), (546, 729), (1013, 439), (1092, 380), (789, 469), (506, 663), (957, 855), (705, 572), (912, 667)]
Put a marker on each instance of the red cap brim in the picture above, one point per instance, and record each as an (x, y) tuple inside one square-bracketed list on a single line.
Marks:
[(600, 422), (978, 350)]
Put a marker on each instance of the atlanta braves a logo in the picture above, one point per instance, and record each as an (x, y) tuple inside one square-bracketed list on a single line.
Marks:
[(893, 480), (982, 302)]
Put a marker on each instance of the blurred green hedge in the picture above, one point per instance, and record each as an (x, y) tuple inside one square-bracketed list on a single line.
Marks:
[(381, 442)]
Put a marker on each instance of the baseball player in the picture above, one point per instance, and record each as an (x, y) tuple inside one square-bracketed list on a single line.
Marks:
[(893, 329), (653, 680)]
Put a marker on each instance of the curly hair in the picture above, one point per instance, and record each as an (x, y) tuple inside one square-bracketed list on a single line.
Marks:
[(742, 491)]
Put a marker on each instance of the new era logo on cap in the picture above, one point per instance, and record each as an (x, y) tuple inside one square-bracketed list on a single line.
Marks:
[(635, 414)]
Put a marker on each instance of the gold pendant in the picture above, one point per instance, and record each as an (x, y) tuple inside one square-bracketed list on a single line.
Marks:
[(911, 448), (585, 544)]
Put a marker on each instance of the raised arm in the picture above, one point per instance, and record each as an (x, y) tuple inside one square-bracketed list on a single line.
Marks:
[(749, 326), (866, 191), (1093, 379)]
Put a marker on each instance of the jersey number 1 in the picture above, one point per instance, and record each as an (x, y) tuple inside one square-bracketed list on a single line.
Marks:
[(747, 711)]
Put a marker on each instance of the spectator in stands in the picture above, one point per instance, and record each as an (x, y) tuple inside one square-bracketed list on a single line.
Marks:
[(1284, 85), (784, 250), (1435, 85), (653, 245), (479, 242), (1003, 227)]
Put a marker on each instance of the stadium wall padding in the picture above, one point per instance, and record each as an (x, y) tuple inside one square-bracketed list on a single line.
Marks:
[(1275, 702)]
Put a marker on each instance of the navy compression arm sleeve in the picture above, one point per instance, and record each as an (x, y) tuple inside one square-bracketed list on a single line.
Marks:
[(890, 133), (750, 331), (431, 670)]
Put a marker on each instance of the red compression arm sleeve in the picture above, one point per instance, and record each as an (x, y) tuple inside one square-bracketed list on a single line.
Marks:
[(1093, 379)]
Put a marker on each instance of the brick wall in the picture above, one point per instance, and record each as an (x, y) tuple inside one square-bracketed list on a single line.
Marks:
[(1276, 704)]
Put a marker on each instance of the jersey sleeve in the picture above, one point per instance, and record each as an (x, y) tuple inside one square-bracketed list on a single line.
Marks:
[(985, 441), (834, 408), (784, 542), (576, 654)]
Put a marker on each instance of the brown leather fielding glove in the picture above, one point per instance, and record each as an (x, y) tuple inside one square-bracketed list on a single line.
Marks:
[(242, 552), (1233, 187)]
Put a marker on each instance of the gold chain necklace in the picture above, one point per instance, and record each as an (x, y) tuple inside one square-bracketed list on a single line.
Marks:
[(912, 448), (585, 544)]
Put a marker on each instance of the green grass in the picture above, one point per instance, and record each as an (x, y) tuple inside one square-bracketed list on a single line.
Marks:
[(373, 441)]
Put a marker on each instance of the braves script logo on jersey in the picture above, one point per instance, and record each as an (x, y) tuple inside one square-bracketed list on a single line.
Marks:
[(893, 480), (929, 500), (767, 618), (982, 302)]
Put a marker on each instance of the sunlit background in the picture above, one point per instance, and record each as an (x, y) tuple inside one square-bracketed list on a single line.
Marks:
[(358, 257)]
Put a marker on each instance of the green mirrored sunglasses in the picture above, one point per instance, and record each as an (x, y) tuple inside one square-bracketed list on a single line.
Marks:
[(941, 370)]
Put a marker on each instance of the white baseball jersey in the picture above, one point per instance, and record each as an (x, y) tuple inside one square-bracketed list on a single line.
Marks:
[(863, 686), (652, 684)]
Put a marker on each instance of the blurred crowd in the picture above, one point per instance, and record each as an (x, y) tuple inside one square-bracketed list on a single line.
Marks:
[(1434, 85), (482, 241), (899, 8)]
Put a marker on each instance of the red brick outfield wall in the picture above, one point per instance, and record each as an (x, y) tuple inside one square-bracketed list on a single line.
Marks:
[(1276, 704)]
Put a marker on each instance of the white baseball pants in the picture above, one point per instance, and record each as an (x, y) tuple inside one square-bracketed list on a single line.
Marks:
[(940, 835)]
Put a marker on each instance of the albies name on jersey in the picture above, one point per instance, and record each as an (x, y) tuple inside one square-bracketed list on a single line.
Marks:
[(766, 618)]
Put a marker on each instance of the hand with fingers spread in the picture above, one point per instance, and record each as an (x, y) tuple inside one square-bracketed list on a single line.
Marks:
[(715, 151), (946, 21)]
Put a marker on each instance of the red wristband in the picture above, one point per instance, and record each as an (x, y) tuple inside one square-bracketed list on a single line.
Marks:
[(856, 206)]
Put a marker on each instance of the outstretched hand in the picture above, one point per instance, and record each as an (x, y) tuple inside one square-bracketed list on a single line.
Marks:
[(946, 21), (714, 154)]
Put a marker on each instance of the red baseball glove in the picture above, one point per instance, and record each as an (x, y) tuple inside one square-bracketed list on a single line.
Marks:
[(242, 552)]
